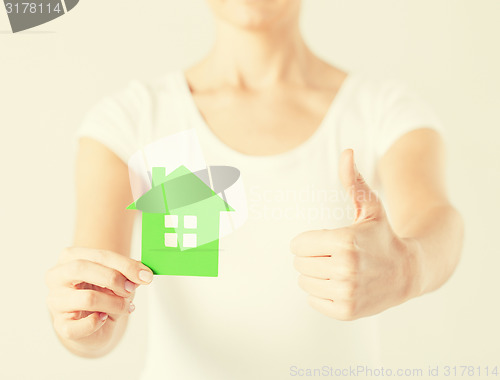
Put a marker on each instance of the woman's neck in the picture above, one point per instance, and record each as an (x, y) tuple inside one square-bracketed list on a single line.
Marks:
[(256, 59)]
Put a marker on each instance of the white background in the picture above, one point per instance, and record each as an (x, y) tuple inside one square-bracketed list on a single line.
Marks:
[(448, 50)]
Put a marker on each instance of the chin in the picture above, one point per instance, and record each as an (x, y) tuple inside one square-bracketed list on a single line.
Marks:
[(254, 14)]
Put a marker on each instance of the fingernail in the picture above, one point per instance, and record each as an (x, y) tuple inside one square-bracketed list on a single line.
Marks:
[(131, 307), (146, 276), (129, 286), (103, 316)]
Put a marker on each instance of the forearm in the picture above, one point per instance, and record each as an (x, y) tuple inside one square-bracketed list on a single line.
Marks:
[(96, 276), (436, 235)]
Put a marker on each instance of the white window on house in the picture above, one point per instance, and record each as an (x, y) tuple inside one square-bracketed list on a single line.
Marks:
[(171, 221), (190, 221), (189, 240), (170, 240)]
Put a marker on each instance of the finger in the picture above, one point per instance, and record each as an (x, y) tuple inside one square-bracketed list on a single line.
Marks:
[(317, 267), (77, 271), (70, 300), (80, 328), (341, 266), (342, 311), (327, 289), (323, 242), (365, 200), (134, 270), (86, 285)]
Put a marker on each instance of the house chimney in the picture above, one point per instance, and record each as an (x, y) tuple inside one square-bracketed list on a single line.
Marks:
[(158, 176)]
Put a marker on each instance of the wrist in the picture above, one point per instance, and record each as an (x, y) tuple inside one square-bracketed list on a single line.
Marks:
[(414, 273)]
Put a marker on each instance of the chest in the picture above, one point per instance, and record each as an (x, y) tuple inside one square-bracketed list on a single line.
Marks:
[(264, 123)]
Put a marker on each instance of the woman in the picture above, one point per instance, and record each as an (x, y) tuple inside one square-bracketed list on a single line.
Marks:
[(261, 101)]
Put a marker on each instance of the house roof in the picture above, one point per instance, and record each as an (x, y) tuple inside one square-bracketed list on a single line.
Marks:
[(179, 189)]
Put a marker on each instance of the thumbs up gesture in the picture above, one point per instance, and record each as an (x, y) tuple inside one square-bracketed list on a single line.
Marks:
[(359, 270)]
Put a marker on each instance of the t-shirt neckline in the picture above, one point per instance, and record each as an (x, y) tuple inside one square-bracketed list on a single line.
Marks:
[(300, 150)]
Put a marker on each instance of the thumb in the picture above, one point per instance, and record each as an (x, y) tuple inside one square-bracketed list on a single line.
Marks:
[(365, 201)]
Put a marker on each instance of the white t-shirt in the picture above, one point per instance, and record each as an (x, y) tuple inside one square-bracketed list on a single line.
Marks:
[(253, 320)]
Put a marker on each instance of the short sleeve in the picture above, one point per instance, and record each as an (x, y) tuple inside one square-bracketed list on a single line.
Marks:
[(402, 110), (117, 120)]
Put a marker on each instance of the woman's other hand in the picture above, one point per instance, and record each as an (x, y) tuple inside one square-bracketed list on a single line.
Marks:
[(90, 290)]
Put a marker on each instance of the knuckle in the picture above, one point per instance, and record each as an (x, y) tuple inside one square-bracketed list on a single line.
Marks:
[(114, 279), (348, 238), (350, 242), (68, 333), (123, 304), (93, 322), (344, 237), (78, 265), (101, 254), (63, 329), (353, 261), (89, 298), (130, 266), (348, 311), (350, 290), (347, 273)]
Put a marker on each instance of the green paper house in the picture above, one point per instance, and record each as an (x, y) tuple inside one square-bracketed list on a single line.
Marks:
[(180, 224)]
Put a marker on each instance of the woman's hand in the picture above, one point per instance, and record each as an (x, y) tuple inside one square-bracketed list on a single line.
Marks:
[(362, 269), (89, 291)]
